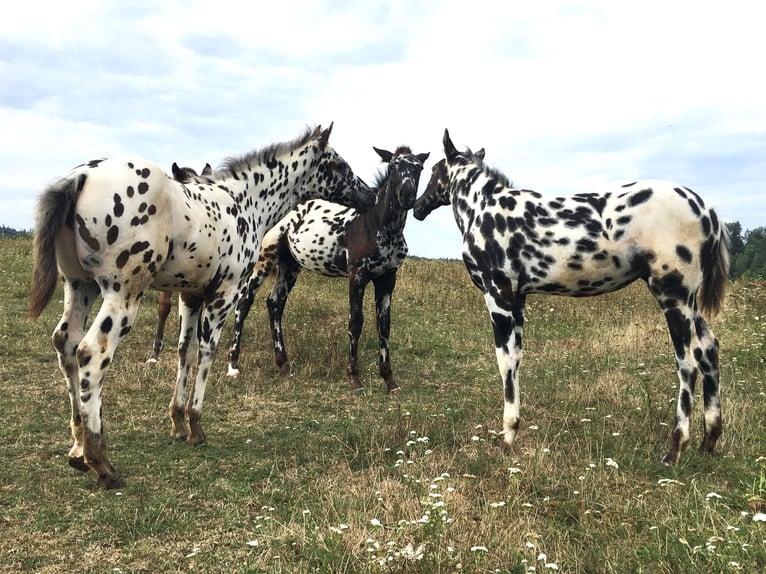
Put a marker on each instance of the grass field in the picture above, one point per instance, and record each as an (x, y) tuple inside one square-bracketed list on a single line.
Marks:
[(300, 476)]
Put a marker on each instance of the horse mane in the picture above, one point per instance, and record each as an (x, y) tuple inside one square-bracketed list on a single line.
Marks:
[(231, 166), (494, 173)]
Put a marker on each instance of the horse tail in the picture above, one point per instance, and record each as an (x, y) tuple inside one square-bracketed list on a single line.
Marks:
[(715, 269), (56, 201)]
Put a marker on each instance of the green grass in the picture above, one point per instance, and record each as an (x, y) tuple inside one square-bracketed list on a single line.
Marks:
[(300, 476)]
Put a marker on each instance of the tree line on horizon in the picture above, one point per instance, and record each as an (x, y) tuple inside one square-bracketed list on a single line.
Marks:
[(747, 256)]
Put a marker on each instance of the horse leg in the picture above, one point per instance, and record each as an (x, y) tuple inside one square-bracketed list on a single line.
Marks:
[(94, 355), (508, 326), (384, 288), (357, 282), (705, 352), (79, 296), (263, 269), (163, 310), (287, 275), (673, 297), (212, 319), (188, 310)]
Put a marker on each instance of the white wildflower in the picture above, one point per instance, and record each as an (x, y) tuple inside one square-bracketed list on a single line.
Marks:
[(375, 522), (611, 462), (479, 549), (713, 495), (760, 517)]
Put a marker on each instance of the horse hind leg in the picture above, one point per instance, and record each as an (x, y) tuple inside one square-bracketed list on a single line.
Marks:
[(678, 305), (705, 353), (94, 356), (79, 296), (287, 275), (263, 270)]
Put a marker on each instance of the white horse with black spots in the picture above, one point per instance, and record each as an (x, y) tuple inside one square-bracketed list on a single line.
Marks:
[(518, 242), (119, 227)]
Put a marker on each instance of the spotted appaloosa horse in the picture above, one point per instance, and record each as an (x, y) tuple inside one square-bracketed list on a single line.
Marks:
[(121, 226), (165, 300), (340, 242), (517, 242)]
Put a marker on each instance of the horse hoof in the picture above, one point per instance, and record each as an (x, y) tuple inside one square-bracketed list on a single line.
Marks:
[(78, 463), (232, 372), (110, 481), (395, 392), (668, 460), (358, 391)]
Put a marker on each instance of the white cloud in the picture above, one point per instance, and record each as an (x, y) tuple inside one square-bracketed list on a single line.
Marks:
[(564, 96)]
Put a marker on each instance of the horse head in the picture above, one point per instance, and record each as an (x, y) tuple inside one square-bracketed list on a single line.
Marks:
[(404, 170)]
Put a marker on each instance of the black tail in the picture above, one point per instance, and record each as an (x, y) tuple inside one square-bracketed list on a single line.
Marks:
[(715, 271), (54, 203)]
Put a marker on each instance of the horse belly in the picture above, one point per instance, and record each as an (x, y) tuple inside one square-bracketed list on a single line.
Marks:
[(579, 275), (322, 254)]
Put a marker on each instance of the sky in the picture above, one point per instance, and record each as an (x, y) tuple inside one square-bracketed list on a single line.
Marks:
[(565, 97)]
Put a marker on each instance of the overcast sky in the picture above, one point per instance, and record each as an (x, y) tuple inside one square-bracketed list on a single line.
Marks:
[(564, 96)]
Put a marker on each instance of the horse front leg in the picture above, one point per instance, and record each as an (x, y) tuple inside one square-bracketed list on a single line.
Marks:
[(384, 288), (211, 323), (163, 311), (78, 299), (507, 326), (357, 282), (189, 310)]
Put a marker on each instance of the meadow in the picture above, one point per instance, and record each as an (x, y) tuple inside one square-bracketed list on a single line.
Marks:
[(298, 475)]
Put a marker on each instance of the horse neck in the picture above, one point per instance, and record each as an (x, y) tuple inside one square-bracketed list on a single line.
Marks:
[(467, 194), (390, 214), (266, 192)]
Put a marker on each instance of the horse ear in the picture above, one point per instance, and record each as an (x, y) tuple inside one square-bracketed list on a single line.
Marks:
[(422, 157), (385, 155), (480, 155), (177, 175), (207, 170), (325, 136), (449, 148)]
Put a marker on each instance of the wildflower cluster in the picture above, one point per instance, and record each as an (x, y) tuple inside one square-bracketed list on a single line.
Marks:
[(410, 538)]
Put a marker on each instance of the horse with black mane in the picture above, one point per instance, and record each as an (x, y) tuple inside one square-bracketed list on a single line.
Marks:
[(121, 226), (518, 242), (334, 241)]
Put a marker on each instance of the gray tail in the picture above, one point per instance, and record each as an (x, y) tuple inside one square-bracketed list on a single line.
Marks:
[(54, 203), (715, 271)]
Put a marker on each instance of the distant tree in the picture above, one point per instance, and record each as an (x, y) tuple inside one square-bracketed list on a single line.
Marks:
[(751, 263), (737, 241)]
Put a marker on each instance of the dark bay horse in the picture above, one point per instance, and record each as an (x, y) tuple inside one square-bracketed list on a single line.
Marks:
[(121, 226), (340, 242), (517, 242)]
